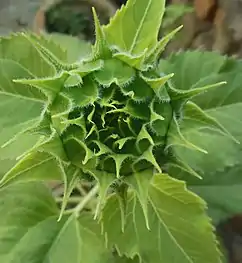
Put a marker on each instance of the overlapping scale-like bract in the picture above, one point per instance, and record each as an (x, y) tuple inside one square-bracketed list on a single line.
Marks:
[(125, 122)]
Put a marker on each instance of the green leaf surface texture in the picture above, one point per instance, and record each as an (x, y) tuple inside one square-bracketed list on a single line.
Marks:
[(177, 235), (30, 232), (220, 168), (129, 30)]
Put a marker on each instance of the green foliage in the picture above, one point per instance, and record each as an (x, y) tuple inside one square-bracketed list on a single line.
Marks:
[(126, 131), (221, 173), (177, 237)]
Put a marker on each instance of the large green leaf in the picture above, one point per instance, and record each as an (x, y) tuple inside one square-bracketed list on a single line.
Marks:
[(221, 167), (19, 49), (9, 155), (221, 152), (17, 115), (23, 207), (191, 67), (179, 231), (222, 192), (30, 233), (223, 103), (21, 106), (130, 29), (33, 167), (76, 49)]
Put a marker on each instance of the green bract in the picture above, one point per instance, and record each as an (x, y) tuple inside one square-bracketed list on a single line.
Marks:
[(119, 119)]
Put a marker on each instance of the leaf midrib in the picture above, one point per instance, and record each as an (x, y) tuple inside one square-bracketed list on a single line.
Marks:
[(169, 233), (28, 230), (140, 27), (16, 95), (33, 166)]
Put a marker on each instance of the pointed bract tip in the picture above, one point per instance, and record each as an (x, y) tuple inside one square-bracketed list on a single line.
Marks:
[(94, 12)]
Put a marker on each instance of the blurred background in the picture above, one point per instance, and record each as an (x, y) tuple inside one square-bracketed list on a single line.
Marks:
[(214, 25), (208, 24)]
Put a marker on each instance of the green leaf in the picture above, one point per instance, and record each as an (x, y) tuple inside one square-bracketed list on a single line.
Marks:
[(21, 106), (9, 155), (220, 168), (158, 85), (31, 215), (221, 152), (177, 139), (52, 145), (62, 105), (105, 180), (84, 95), (114, 71), (205, 64), (148, 156), (119, 159), (16, 116), (143, 135), (50, 56), (88, 67), (135, 61), (19, 147), (221, 190), (200, 118), (49, 42), (140, 183), (73, 80), (138, 90), (79, 154), (5, 166), (23, 206), (156, 52), (20, 50), (75, 241), (70, 176), (100, 48), (76, 48), (135, 109), (161, 117), (220, 104), (33, 167), (130, 28), (49, 86), (179, 231), (11, 70)]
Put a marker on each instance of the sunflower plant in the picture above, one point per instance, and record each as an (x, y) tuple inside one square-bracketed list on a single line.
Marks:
[(135, 141)]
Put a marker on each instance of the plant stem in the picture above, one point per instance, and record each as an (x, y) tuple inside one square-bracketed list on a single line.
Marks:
[(72, 200), (86, 199), (81, 189)]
